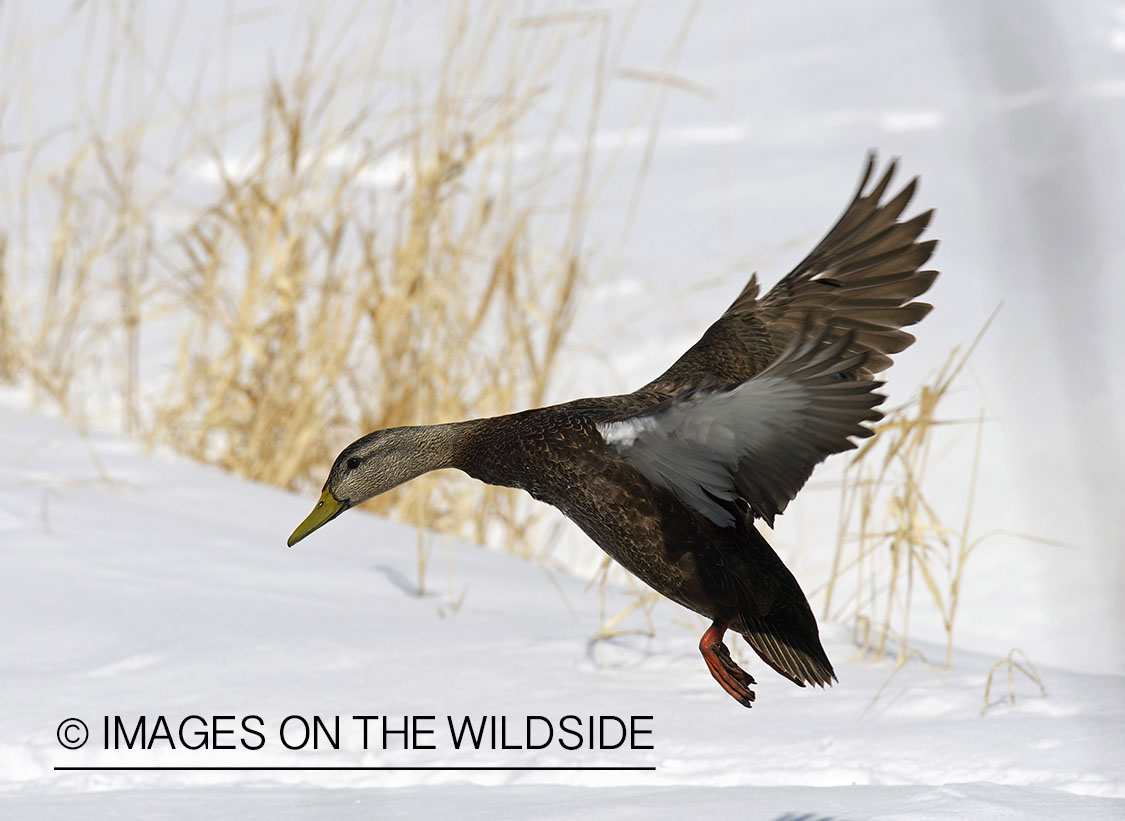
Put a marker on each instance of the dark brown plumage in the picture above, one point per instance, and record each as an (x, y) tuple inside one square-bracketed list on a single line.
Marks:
[(669, 479)]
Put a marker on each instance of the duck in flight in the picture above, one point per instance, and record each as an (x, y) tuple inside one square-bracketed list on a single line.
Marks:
[(669, 480)]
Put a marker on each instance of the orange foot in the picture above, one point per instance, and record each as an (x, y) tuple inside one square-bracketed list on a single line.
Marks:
[(730, 676)]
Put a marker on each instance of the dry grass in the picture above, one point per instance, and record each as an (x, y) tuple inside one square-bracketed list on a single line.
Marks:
[(356, 268), (329, 330), (892, 541), (1013, 665), (890, 536)]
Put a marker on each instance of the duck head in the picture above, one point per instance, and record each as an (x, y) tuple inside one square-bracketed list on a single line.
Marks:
[(378, 462)]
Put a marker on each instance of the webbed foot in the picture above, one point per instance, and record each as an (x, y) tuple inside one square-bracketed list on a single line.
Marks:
[(730, 676)]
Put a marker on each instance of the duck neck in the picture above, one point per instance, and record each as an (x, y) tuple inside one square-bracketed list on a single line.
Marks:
[(478, 447), (448, 445), (486, 449)]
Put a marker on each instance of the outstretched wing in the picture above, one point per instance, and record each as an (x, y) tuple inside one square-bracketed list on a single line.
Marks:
[(860, 278), (758, 441)]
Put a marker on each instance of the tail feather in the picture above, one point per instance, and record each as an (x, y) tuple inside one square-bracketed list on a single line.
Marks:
[(789, 649), (776, 620)]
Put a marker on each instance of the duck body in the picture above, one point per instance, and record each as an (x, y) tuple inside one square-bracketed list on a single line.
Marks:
[(669, 480), (729, 575), (642, 527)]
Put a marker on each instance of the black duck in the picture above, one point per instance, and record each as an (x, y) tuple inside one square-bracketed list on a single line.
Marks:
[(669, 479)]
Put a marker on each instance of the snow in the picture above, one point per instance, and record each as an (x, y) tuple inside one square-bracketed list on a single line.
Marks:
[(140, 584), (145, 585)]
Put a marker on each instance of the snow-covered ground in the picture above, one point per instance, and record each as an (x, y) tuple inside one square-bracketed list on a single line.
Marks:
[(150, 586), (143, 585)]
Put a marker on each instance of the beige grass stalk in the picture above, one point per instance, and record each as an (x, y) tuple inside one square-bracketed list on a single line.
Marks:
[(887, 476), (891, 535), (309, 299)]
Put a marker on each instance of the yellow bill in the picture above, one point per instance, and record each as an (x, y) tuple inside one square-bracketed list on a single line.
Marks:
[(327, 509)]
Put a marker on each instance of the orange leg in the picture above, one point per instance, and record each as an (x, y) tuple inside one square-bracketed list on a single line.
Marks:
[(730, 676)]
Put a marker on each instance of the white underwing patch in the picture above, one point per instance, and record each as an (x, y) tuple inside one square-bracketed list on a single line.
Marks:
[(624, 433)]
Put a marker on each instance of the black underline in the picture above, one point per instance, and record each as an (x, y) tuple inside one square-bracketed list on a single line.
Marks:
[(341, 769)]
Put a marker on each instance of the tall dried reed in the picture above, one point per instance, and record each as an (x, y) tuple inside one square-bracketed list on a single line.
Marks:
[(890, 535), (357, 267), (892, 540)]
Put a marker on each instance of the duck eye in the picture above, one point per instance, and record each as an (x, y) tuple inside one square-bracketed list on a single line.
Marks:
[(353, 463)]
